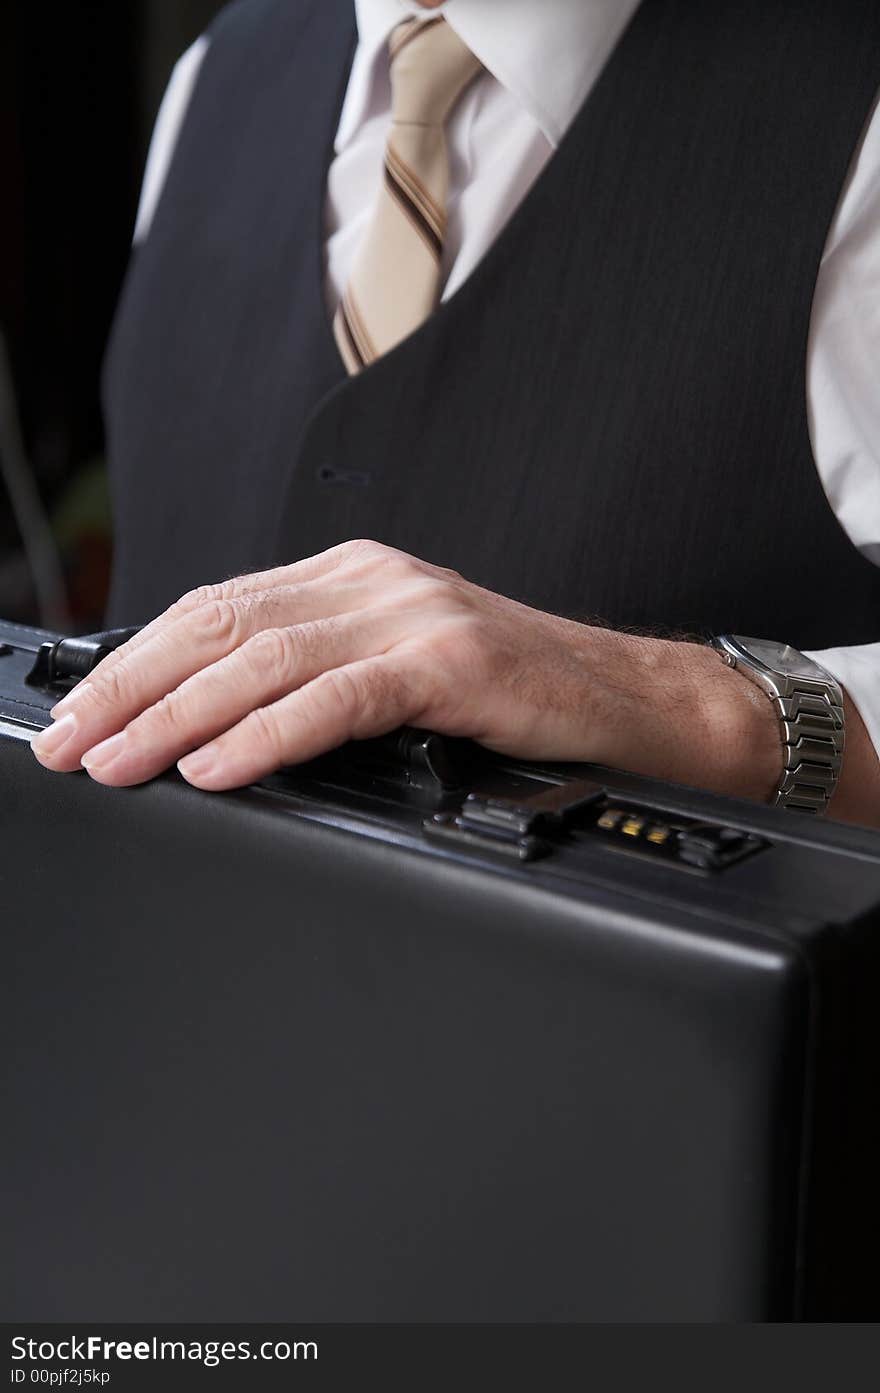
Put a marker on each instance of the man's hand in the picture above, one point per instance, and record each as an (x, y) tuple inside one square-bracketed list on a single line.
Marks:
[(237, 679)]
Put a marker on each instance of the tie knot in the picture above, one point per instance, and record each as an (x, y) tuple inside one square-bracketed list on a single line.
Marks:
[(430, 68)]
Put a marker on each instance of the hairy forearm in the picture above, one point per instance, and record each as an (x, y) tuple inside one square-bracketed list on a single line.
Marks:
[(705, 724), (271, 669), (683, 715)]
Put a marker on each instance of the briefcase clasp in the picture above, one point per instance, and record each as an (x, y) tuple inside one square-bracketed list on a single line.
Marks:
[(519, 829)]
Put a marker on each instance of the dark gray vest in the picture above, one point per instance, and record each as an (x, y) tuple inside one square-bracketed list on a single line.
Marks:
[(608, 419)]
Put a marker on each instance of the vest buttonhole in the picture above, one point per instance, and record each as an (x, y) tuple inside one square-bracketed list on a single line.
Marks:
[(330, 474)]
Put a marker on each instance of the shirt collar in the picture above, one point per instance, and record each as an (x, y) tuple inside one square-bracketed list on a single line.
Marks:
[(547, 53)]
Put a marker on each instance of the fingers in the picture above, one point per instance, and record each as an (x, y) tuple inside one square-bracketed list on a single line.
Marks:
[(365, 698), (156, 665), (268, 666), (224, 651), (310, 568)]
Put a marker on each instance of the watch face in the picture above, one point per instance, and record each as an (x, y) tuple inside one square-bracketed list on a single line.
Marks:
[(781, 658)]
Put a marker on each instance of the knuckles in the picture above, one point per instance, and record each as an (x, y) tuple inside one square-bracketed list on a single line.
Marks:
[(339, 687), (436, 594), (193, 600), (271, 651), (112, 687), (218, 620), (378, 557), (363, 546), (457, 638), (169, 712), (264, 725), (359, 698), (449, 574), (231, 620)]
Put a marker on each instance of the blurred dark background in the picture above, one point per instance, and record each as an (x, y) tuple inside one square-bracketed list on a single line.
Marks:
[(79, 89)]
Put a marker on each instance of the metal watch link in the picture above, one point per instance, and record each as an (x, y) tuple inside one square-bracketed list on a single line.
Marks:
[(809, 703)]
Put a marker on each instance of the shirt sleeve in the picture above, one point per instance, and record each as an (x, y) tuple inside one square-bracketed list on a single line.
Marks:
[(843, 352), (166, 131), (843, 362), (858, 671)]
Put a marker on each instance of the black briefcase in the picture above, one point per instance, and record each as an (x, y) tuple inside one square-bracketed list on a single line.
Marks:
[(415, 1034)]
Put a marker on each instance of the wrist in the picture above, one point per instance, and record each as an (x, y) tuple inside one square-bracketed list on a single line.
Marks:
[(742, 729), (689, 718)]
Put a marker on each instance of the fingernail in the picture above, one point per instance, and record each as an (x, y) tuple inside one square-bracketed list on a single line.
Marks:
[(54, 738), (198, 764), (101, 756), (68, 702)]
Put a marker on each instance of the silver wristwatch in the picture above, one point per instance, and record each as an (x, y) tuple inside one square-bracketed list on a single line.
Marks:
[(809, 703)]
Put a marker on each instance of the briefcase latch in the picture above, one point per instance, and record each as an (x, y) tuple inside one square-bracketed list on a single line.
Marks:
[(518, 829)]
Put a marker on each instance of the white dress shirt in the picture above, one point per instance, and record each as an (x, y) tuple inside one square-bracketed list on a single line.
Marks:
[(541, 60)]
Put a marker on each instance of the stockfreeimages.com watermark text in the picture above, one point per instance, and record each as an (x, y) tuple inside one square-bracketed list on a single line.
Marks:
[(75, 1351)]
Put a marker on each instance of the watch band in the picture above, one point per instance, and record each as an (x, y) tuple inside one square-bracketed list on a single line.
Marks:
[(811, 719)]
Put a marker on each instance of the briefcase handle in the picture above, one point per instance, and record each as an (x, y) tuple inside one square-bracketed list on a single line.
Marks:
[(444, 773), (418, 761), (432, 767), (61, 663)]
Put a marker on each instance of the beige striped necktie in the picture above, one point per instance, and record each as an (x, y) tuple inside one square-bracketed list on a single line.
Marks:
[(395, 280)]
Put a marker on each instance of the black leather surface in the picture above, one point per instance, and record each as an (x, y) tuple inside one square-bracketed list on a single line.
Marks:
[(272, 1057)]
